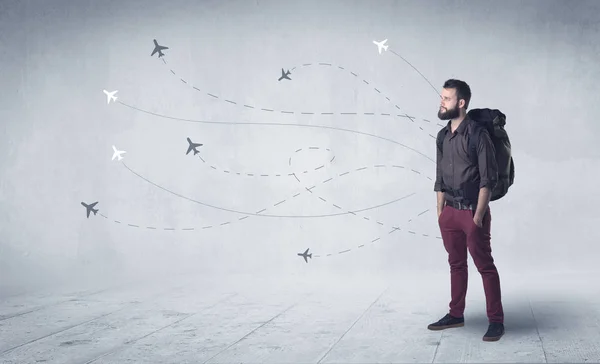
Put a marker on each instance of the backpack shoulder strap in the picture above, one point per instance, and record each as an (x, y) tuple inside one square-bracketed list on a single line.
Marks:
[(475, 131)]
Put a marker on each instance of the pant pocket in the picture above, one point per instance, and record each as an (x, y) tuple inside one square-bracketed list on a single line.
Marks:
[(443, 214)]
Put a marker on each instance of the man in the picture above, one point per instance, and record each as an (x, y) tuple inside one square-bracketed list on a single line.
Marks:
[(463, 195)]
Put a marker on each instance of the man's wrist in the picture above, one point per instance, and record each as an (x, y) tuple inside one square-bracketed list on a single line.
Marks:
[(480, 212)]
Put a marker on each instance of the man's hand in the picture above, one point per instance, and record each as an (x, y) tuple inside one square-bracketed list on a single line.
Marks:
[(478, 220), (482, 206), (441, 202)]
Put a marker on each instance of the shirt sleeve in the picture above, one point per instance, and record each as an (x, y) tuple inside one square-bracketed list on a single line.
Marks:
[(488, 167), (437, 187)]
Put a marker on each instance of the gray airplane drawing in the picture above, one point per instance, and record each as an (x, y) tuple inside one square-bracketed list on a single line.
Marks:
[(305, 254), (193, 147), (158, 48), (90, 208), (284, 74)]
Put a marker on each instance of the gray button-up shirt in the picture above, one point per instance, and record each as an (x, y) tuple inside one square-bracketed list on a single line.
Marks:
[(455, 170)]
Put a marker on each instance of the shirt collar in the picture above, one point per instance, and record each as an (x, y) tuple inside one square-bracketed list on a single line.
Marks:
[(462, 128)]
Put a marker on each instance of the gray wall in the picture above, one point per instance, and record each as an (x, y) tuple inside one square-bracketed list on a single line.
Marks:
[(536, 61)]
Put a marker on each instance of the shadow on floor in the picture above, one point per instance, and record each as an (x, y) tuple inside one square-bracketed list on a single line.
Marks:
[(523, 317)]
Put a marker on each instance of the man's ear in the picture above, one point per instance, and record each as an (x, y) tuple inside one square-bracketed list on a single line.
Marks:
[(461, 104)]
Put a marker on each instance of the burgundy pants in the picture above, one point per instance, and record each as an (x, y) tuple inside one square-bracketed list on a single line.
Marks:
[(460, 233)]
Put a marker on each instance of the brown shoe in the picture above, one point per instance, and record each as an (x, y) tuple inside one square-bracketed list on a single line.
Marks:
[(447, 322)]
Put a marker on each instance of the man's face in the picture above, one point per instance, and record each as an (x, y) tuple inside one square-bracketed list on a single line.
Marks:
[(449, 105)]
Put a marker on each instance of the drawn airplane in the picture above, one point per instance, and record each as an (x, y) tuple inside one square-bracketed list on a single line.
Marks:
[(117, 153), (305, 254), (158, 48), (110, 95), (284, 74), (193, 147), (380, 45), (90, 208)]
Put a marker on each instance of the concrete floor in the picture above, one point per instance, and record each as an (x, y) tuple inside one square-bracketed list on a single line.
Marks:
[(195, 320)]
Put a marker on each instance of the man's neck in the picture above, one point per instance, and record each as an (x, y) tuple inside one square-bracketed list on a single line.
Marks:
[(455, 123)]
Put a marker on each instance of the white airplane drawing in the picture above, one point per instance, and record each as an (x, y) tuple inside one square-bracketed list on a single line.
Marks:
[(380, 45), (110, 95), (117, 153)]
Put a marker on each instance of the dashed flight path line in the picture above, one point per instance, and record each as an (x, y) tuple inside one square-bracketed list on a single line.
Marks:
[(277, 174), (260, 212), (394, 228), (291, 112), (305, 189), (284, 76), (279, 124), (320, 167)]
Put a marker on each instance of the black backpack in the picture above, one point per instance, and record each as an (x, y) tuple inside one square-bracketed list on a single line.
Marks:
[(493, 120)]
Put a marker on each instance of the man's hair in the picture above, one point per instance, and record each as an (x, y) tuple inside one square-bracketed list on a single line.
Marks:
[(463, 91)]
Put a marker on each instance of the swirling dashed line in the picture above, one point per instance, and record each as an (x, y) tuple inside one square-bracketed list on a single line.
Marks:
[(294, 174), (354, 74), (247, 174), (394, 228), (258, 213), (310, 189)]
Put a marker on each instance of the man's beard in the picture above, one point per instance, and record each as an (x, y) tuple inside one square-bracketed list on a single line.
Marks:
[(449, 114)]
